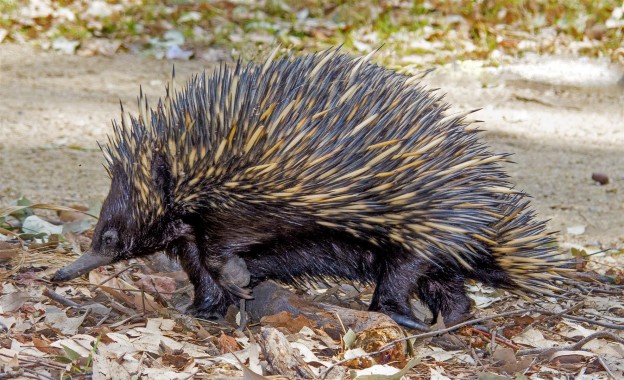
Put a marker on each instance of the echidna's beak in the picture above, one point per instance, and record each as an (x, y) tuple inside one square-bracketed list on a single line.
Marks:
[(84, 264)]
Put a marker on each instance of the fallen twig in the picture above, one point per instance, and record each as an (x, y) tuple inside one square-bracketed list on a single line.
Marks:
[(101, 321), (54, 296), (127, 320), (107, 279), (576, 346), (559, 314), (38, 375), (498, 339), (606, 367), (613, 326), (601, 291), (121, 308)]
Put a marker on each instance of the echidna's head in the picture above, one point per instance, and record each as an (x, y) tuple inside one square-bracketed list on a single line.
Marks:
[(134, 221)]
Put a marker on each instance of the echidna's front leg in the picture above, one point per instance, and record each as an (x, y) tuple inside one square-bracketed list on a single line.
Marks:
[(210, 300), (392, 295)]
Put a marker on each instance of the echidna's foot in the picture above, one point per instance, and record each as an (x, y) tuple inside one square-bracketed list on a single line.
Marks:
[(408, 321)]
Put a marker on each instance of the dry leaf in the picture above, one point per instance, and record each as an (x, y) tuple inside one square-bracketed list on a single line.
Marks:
[(506, 359), (534, 338), (227, 343), (13, 301), (285, 319), (162, 285), (44, 346), (178, 362), (56, 318)]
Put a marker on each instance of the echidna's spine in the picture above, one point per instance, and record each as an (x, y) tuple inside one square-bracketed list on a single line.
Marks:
[(526, 251)]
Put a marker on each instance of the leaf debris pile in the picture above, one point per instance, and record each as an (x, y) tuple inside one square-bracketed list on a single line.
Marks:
[(415, 33), (124, 321)]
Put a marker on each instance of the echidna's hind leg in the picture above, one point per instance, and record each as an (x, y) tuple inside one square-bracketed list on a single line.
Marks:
[(442, 290), (395, 283)]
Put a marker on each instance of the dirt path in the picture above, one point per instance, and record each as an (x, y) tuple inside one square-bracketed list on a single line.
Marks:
[(54, 107)]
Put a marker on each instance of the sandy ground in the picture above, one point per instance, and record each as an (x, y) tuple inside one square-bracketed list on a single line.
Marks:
[(561, 122)]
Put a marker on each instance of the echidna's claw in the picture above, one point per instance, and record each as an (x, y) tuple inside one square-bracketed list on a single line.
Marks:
[(244, 293), (409, 322)]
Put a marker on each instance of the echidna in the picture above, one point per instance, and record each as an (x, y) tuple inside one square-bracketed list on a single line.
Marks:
[(318, 166)]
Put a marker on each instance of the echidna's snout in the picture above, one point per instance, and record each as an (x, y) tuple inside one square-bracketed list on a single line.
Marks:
[(84, 264)]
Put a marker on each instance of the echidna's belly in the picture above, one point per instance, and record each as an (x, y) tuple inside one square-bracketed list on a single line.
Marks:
[(314, 256)]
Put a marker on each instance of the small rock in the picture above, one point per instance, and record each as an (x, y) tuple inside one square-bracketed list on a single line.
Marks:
[(601, 178), (576, 230), (64, 45), (175, 52)]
